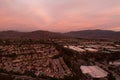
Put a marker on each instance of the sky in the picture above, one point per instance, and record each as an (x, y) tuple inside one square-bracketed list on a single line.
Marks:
[(59, 15)]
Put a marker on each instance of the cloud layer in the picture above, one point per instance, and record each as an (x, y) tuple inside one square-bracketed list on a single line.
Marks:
[(59, 15)]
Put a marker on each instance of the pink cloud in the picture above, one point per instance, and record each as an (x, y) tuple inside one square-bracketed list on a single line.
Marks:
[(62, 15)]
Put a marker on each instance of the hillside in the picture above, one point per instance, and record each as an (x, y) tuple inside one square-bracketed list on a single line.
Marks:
[(89, 34), (94, 34), (32, 35)]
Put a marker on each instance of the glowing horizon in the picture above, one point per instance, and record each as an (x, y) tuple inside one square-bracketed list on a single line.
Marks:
[(59, 15)]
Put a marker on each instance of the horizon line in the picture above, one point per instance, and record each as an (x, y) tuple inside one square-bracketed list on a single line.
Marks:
[(59, 31)]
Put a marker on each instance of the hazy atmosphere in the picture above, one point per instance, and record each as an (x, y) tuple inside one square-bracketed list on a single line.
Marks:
[(59, 15), (59, 39)]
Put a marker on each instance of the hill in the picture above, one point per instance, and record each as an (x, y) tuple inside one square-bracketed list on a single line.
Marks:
[(89, 34), (31, 35), (94, 34)]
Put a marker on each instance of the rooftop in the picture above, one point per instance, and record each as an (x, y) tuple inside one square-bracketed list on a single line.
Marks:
[(94, 71)]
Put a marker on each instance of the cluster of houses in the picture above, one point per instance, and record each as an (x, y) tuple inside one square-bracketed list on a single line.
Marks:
[(44, 60), (94, 48), (37, 59), (60, 68), (97, 71), (25, 49)]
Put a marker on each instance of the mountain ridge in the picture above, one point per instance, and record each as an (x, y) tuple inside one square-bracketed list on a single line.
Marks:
[(89, 34), (95, 34)]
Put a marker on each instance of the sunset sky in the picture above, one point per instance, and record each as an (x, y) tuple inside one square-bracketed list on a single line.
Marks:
[(59, 15)]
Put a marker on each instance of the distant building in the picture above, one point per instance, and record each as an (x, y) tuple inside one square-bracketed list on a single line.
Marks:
[(115, 63), (78, 49), (91, 50), (114, 50), (93, 72)]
